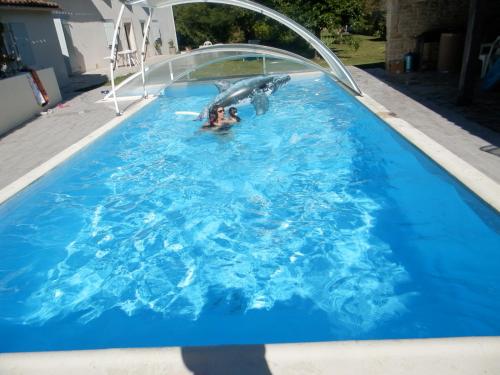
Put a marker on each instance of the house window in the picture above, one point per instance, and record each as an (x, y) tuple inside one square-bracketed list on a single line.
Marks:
[(143, 24), (129, 34)]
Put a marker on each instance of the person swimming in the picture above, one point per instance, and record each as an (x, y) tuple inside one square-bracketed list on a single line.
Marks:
[(233, 114), (216, 119)]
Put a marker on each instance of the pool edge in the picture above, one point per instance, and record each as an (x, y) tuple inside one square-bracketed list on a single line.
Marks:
[(463, 355), (483, 186)]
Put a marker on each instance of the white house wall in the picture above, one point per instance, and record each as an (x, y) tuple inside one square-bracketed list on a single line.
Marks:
[(87, 42), (164, 17), (17, 102), (42, 38)]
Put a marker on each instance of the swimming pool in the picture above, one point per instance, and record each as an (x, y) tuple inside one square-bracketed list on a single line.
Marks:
[(313, 222)]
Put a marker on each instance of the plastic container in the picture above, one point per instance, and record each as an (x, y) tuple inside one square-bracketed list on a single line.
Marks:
[(409, 62)]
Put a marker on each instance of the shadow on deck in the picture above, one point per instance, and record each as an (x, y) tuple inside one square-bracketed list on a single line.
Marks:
[(438, 92)]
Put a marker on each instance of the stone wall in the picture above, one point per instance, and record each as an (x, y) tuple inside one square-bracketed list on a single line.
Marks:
[(407, 19)]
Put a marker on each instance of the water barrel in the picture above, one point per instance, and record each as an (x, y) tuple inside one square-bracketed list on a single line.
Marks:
[(409, 62)]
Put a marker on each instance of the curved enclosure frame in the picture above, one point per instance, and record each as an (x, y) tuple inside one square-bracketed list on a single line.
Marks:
[(337, 69), (161, 75)]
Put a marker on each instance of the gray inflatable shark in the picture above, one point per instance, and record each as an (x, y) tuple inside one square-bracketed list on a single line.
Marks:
[(255, 90)]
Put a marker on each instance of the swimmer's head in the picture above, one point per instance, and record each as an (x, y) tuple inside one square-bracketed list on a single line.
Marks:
[(219, 111), (233, 113)]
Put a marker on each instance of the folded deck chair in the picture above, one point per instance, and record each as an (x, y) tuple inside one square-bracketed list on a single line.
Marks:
[(487, 52)]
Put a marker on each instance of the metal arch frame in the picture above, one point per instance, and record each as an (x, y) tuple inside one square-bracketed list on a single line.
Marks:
[(145, 34), (240, 50), (250, 52), (333, 62), (112, 57)]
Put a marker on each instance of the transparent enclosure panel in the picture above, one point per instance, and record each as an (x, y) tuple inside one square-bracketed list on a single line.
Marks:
[(336, 67), (216, 62)]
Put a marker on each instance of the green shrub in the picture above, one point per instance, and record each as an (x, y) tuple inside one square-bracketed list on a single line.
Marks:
[(339, 37)]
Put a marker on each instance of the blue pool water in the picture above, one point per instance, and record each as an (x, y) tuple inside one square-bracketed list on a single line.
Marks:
[(312, 222)]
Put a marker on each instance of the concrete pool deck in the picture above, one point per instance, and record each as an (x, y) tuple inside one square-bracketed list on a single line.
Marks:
[(471, 142), (458, 356), (42, 139)]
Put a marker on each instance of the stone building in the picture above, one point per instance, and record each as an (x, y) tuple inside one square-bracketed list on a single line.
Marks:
[(412, 23), (442, 30)]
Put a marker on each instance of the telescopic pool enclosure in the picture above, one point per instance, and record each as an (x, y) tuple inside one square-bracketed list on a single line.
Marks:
[(151, 80)]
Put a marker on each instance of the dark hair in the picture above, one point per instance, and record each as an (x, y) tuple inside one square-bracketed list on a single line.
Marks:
[(211, 119), (232, 113), (212, 116)]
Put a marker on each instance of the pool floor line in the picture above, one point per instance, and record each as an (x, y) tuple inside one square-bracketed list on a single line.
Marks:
[(457, 356), (36, 173), (483, 186)]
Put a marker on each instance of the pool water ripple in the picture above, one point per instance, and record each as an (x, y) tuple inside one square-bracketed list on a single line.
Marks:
[(162, 217), (144, 221)]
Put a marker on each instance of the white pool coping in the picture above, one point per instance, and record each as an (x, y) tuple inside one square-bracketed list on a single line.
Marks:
[(472, 355), (482, 185), (454, 356)]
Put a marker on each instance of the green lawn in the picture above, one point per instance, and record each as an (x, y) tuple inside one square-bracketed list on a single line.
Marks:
[(228, 69), (234, 68), (120, 79), (371, 51)]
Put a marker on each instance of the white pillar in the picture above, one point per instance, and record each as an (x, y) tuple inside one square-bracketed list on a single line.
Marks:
[(143, 53), (112, 58)]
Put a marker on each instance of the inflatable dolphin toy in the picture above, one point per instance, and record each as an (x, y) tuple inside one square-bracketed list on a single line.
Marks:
[(254, 90)]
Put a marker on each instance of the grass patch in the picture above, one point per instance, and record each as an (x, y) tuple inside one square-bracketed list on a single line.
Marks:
[(120, 79), (248, 66), (371, 51), (228, 69)]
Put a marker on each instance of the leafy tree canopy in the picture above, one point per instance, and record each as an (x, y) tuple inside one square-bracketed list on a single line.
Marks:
[(220, 23)]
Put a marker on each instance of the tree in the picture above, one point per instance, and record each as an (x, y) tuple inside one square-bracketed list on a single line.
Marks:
[(199, 22), (373, 21), (320, 14), (196, 23)]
